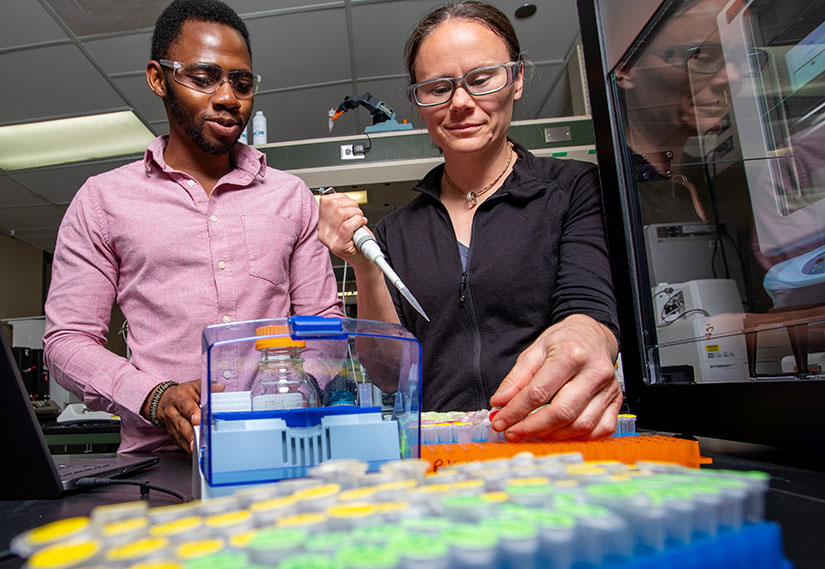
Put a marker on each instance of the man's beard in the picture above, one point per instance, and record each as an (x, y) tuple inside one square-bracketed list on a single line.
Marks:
[(193, 129)]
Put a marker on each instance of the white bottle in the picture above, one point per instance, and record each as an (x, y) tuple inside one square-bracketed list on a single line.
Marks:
[(243, 138), (259, 128)]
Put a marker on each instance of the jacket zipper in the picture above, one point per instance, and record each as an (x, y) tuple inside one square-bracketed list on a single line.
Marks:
[(463, 293)]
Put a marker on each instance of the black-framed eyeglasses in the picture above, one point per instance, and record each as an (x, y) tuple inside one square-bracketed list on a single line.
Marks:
[(709, 58), (208, 78), (481, 81)]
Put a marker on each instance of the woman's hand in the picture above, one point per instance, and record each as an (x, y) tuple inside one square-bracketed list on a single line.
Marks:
[(568, 378), (339, 218)]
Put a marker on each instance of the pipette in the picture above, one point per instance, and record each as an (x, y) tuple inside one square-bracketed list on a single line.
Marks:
[(369, 248)]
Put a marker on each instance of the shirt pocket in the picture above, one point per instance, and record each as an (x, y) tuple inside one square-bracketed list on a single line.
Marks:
[(270, 240)]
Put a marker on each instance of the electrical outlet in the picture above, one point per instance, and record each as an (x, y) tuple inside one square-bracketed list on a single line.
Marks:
[(349, 152)]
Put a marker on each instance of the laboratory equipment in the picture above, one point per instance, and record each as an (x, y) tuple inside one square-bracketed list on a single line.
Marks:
[(383, 117), (264, 423), (651, 514), (368, 246), (714, 142)]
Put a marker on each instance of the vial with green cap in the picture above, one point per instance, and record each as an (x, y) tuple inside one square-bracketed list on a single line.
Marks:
[(427, 525), (471, 546), (270, 546), (518, 544), (735, 496), (378, 534), (222, 560), (646, 515), (466, 508), (419, 550), (309, 561), (364, 556), (600, 534), (328, 542), (682, 512), (557, 535)]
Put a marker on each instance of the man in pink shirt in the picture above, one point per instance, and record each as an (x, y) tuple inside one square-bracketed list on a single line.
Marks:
[(199, 232)]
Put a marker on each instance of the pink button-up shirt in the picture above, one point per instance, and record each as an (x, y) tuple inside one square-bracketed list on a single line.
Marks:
[(175, 260)]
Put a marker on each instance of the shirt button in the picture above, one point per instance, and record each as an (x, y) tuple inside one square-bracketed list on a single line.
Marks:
[(227, 319), (227, 374), (190, 183), (221, 265), (213, 218)]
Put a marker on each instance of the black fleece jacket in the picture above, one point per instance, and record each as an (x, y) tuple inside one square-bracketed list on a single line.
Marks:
[(537, 255)]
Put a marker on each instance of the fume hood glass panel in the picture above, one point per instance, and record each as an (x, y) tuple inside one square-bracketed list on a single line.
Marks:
[(722, 108)]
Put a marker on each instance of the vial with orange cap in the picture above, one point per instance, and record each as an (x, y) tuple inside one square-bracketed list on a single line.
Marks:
[(281, 382)]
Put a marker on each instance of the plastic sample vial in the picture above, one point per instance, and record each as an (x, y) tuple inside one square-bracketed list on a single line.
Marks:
[(222, 560), (518, 542), (269, 511), (378, 534), (165, 514), (427, 525), (471, 546), (66, 555), (183, 528), (317, 499), (118, 512), (350, 515), (259, 128), (328, 542), (229, 523), (269, 546), (124, 531), (146, 549), (408, 468), (557, 535), (417, 550), (281, 382), (213, 506), (367, 557), (308, 561), (344, 471), (193, 549), (71, 528)]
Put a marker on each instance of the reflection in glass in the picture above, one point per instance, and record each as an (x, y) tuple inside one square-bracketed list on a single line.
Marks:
[(723, 106)]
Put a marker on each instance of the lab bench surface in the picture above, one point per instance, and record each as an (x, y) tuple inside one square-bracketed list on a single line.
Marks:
[(796, 499)]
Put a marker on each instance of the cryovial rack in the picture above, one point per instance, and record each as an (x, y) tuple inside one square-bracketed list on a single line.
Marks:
[(524, 512)]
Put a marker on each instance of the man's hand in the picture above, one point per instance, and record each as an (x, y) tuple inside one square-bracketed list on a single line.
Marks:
[(179, 411), (572, 364)]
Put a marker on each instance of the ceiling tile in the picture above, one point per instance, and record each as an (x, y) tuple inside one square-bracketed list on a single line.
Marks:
[(27, 23), (380, 31), (42, 217), (300, 49), (86, 17), (59, 184), (13, 193), (65, 84), (121, 54), (43, 239), (149, 105)]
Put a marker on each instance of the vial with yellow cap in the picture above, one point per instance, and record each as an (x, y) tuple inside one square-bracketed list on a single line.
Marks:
[(281, 382)]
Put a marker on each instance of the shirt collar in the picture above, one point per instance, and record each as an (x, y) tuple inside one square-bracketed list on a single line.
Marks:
[(246, 159)]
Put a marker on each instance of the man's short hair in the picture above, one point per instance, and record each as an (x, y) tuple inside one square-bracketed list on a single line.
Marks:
[(169, 24)]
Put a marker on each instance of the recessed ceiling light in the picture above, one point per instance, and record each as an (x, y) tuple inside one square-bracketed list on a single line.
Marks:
[(525, 11), (75, 139)]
